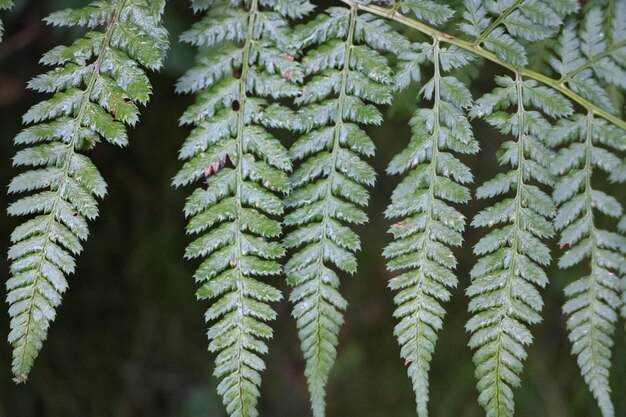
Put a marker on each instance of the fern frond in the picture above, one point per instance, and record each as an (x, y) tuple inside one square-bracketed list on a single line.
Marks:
[(502, 26), (242, 171), (95, 86), (590, 59), (4, 4), (593, 301), (504, 295), (430, 225), (345, 73)]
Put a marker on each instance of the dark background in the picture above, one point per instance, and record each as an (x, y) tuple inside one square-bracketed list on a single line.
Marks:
[(130, 340)]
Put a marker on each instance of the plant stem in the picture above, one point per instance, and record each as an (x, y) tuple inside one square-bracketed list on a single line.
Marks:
[(476, 49)]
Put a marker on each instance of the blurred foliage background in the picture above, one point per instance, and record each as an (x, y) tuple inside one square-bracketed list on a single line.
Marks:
[(129, 339)]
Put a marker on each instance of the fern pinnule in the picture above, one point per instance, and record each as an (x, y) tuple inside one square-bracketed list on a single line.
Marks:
[(430, 11)]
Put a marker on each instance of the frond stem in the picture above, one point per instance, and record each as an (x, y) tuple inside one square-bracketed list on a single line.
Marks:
[(516, 225), (469, 46), (238, 197)]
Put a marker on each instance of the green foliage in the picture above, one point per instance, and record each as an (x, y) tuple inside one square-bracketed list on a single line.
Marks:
[(505, 26), (589, 60), (323, 84), (428, 10), (504, 295), (345, 72), (430, 225), (4, 4), (95, 85), (594, 299), (242, 171)]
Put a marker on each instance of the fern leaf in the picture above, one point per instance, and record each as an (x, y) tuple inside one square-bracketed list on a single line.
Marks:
[(588, 59), (242, 171), (593, 300), (4, 4), (591, 60), (345, 73), (427, 10), (95, 86), (430, 226), (503, 26), (504, 295), (564, 7)]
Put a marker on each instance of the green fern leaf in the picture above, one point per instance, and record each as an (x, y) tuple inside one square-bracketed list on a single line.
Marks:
[(95, 86), (427, 10), (564, 7), (590, 60), (242, 170), (504, 295), (503, 26), (429, 225), (345, 73), (4, 4), (592, 300)]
